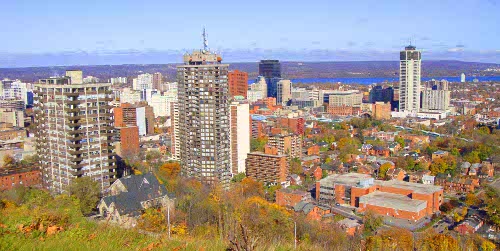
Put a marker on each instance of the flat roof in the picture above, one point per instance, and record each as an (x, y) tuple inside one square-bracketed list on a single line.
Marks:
[(394, 201), (415, 187), (351, 179)]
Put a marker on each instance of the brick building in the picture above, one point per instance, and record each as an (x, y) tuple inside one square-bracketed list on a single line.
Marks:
[(381, 110), (289, 198), (128, 140), (296, 125), (9, 132), (267, 168), (394, 198), (28, 177), (343, 110), (140, 115), (238, 83)]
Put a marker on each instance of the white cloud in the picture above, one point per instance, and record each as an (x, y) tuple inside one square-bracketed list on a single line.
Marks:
[(456, 49)]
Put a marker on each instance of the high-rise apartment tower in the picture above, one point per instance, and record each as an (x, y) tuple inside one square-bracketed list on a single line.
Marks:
[(74, 131), (204, 125), (409, 80)]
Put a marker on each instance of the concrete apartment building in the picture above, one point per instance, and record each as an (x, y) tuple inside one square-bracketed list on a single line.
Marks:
[(266, 167), (238, 83), (352, 98), (240, 138), (139, 115), (157, 80), (142, 82), (436, 96), (74, 131), (409, 80), (287, 144), (204, 117), (284, 92), (174, 131), (394, 198)]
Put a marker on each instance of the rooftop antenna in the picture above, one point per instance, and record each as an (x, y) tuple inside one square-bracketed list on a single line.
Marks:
[(205, 40)]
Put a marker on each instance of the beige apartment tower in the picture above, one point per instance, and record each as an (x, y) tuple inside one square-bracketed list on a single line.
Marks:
[(74, 131), (409, 80), (204, 122)]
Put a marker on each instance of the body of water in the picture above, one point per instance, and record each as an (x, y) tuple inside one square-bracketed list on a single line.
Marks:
[(369, 81)]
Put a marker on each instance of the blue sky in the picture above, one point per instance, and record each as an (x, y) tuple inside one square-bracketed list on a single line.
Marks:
[(461, 30)]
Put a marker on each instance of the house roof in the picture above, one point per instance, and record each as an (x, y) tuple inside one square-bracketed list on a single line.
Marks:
[(139, 188)]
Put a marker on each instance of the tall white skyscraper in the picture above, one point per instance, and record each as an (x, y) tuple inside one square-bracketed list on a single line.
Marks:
[(462, 78), (240, 138), (204, 125), (143, 81), (284, 91), (409, 80)]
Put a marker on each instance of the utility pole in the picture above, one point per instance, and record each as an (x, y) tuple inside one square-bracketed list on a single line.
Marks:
[(295, 234), (168, 219)]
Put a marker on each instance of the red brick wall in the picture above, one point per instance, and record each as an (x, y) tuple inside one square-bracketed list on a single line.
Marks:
[(285, 199), (28, 179), (238, 83), (391, 212)]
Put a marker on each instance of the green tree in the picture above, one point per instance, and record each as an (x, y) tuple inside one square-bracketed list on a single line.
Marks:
[(87, 191), (401, 141), (238, 177), (472, 157), (258, 144)]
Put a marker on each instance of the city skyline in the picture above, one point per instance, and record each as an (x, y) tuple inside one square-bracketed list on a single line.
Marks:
[(307, 32)]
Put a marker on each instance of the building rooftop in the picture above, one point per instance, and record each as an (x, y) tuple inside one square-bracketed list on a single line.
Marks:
[(415, 187), (352, 179), (394, 201)]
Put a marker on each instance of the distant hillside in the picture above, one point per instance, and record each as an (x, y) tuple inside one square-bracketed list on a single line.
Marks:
[(290, 69)]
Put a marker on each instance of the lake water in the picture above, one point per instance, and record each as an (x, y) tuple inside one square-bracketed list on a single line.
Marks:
[(369, 81)]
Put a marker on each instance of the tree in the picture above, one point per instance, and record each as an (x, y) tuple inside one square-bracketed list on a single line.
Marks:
[(372, 222), (8, 161), (296, 166), (391, 239), (383, 170), (170, 170), (238, 177), (472, 157), (401, 141), (87, 191), (152, 220), (472, 200), (439, 242), (258, 144)]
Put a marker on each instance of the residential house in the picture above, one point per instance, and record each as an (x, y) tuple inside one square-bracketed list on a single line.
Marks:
[(428, 179), (396, 174), (289, 198), (470, 225), (130, 196), (351, 226), (312, 211)]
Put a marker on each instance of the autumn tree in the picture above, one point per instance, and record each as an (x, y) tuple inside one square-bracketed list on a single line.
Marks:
[(170, 170), (372, 221), (383, 170), (439, 242), (391, 239), (9, 161), (296, 166), (87, 191), (258, 144), (472, 200), (152, 220)]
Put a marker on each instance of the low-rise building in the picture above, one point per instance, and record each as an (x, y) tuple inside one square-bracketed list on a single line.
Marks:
[(289, 198), (28, 177), (395, 198)]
